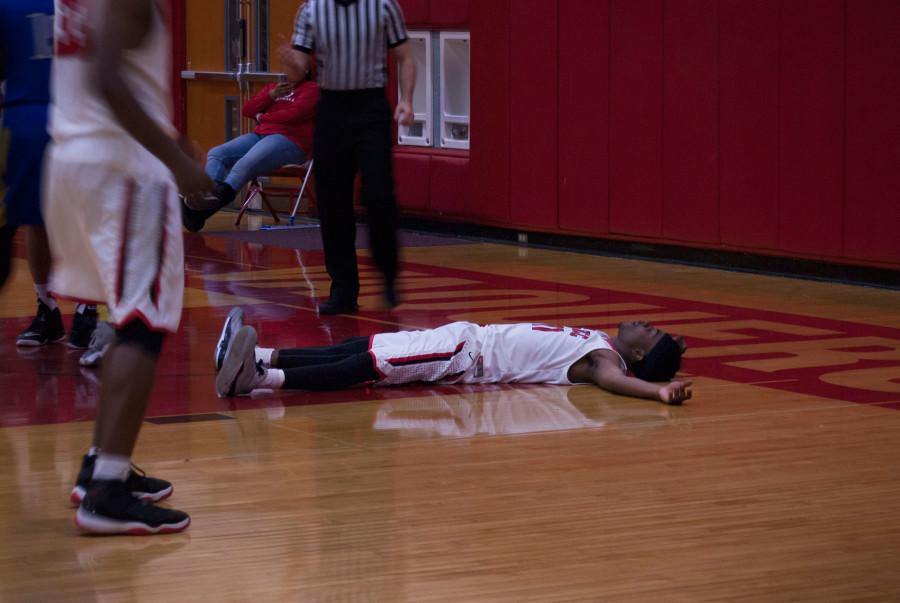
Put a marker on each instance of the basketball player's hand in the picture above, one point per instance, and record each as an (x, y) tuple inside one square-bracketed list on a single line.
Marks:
[(403, 113), (190, 177), (675, 392)]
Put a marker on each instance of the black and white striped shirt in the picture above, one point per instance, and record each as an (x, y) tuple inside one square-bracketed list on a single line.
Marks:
[(350, 39)]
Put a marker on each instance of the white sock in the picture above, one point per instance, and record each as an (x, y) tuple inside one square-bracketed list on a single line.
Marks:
[(274, 379), (93, 451), (44, 295), (112, 467), (264, 355)]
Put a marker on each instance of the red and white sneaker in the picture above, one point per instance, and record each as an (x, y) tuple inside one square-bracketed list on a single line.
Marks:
[(109, 507)]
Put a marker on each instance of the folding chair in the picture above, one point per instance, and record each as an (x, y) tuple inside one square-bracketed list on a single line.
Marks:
[(256, 188)]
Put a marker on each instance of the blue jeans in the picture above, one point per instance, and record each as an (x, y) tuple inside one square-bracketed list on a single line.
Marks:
[(243, 158)]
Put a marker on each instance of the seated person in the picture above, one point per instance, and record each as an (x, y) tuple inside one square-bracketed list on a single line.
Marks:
[(284, 111), (461, 352)]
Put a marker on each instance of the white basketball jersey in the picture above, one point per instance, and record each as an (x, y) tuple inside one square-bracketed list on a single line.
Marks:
[(82, 126), (534, 353), (463, 352)]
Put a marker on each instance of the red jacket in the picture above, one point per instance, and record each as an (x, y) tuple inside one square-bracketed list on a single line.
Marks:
[(290, 115)]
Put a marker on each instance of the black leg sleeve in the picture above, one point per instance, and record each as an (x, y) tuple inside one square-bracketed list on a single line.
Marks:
[(350, 371), (300, 357)]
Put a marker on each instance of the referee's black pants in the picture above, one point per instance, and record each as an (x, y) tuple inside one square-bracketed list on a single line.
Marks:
[(353, 132)]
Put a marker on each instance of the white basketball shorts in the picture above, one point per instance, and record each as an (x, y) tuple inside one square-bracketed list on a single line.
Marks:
[(443, 354), (116, 239)]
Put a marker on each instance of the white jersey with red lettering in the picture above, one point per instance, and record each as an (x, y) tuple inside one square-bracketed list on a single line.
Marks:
[(81, 124), (464, 352), (534, 353), (110, 206)]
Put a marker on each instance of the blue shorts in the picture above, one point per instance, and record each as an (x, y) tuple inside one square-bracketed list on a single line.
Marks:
[(27, 138)]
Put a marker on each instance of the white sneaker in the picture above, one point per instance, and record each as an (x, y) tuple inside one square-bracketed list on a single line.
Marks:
[(232, 325), (102, 337), (240, 373)]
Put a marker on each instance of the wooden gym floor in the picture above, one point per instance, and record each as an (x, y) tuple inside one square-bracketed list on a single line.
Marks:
[(780, 480)]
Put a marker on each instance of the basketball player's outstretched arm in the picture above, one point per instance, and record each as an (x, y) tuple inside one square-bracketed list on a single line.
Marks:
[(608, 375), (125, 24)]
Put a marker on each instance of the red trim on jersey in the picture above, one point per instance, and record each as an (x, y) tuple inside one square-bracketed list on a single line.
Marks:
[(123, 247), (437, 356), (133, 315), (381, 375), (547, 328), (138, 315), (154, 289)]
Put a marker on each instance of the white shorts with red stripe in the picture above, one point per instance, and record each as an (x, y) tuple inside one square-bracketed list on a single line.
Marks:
[(443, 354), (116, 239)]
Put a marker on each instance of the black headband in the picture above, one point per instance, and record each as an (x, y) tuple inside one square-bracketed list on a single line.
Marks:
[(661, 363)]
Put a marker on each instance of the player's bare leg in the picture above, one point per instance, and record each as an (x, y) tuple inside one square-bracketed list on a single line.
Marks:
[(111, 504)]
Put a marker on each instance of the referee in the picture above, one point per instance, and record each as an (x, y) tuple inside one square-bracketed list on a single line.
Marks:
[(353, 130)]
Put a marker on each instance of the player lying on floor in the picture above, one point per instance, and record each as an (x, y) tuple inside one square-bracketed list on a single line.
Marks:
[(461, 352)]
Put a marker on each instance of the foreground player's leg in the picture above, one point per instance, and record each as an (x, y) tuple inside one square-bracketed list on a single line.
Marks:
[(109, 506), (139, 483)]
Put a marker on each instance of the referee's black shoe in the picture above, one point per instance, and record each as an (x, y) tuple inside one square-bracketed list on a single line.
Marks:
[(391, 298), (332, 307)]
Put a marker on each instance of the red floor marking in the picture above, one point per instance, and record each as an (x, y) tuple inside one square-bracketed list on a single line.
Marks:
[(48, 386)]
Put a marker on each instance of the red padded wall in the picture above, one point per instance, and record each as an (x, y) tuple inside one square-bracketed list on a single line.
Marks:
[(811, 127), (748, 123), (767, 125), (415, 12), (532, 113), (411, 180), (489, 82), (584, 116), (449, 13), (690, 121), (872, 206), (635, 127), (451, 185)]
